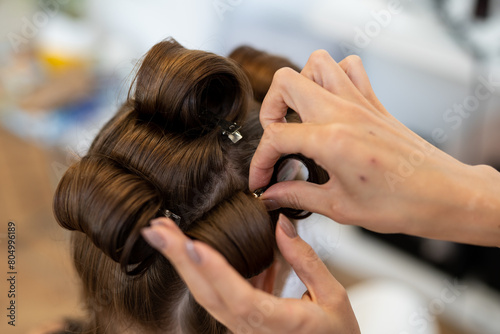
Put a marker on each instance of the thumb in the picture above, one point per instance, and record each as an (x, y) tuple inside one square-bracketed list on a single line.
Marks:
[(301, 195), (320, 283)]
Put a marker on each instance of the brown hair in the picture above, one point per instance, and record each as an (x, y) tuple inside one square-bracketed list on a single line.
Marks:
[(158, 154)]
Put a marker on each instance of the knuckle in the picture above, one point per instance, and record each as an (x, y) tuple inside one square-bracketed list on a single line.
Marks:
[(294, 200), (306, 260), (354, 60), (318, 134), (353, 64), (338, 212), (342, 211), (310, 255), (339, 136), (318, 57), (282, 76), (273, 128), (271, 131)]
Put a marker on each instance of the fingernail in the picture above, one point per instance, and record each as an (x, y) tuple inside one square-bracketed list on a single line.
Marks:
[(158, 221), (287, 227), (153, 238), (192, 252), (271, 204)]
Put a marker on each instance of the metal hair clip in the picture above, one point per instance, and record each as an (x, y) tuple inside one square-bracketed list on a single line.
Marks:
[(229, 129), (173, 216)]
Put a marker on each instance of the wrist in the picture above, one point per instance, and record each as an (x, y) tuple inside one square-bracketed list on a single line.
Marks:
[(483, 206), (471, 210)]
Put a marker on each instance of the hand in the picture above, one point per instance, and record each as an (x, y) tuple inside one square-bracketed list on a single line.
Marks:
[(233, 301), (383, 176)]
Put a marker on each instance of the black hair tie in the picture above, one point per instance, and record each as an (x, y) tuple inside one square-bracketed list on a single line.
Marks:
[(316, 175)]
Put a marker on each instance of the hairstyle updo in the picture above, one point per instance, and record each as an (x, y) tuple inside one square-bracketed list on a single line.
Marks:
[(158, 153)]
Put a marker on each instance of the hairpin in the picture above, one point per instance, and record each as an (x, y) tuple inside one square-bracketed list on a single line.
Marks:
[(229, 129), (171, 215)]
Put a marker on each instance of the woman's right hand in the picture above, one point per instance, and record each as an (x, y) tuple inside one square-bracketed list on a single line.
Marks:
[(383, 176)]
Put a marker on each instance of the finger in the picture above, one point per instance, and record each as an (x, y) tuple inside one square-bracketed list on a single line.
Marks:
[(167, 238), (354, 69), (290, 89), (214, 283), (281, 139), (322, 69), (211, 280), (301, 195), (320, 283), (243, 303)]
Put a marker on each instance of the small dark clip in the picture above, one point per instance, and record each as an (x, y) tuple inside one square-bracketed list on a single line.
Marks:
[(173, 216)]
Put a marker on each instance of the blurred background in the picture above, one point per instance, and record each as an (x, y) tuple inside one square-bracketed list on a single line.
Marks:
[(65, 67)]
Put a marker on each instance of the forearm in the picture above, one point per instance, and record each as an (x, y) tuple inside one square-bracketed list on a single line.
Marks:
[(383, 176), (465, 209)]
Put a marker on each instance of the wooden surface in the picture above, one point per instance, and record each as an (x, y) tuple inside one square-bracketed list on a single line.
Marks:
[(46, 287)]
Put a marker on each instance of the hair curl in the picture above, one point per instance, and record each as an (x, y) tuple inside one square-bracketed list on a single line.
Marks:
[(157, 154)]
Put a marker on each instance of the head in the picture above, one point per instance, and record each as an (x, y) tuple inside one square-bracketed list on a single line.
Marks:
[(157, 153)]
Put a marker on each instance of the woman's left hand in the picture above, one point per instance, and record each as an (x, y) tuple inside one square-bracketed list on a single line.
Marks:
[(233, 301)]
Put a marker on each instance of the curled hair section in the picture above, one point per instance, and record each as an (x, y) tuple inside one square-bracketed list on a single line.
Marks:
[(260, 67), (174, 85), (109, 204), (158, 153)]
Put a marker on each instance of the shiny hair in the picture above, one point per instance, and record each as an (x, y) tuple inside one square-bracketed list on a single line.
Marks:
[(158, 154)]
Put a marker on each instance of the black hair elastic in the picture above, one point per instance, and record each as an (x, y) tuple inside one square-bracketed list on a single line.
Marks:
[(316, 175)]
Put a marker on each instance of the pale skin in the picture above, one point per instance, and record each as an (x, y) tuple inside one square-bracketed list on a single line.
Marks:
[(348, 132)]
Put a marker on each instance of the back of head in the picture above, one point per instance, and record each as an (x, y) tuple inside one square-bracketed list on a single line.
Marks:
[(158, 153)]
